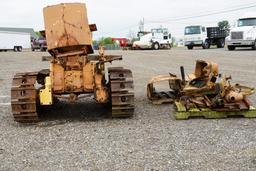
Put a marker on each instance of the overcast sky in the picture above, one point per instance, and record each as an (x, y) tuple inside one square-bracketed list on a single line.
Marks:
[(117, 17)]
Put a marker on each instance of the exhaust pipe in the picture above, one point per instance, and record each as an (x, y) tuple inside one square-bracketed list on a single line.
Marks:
[(182, 71)]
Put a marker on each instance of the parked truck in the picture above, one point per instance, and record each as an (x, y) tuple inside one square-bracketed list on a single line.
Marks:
[(15, 41), (39, 43), (158, 38), (204, 37), (244, 33)]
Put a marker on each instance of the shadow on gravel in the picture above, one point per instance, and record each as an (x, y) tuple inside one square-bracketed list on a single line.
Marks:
[(87, 110), (201, 49), (244, 49), (225, 49)]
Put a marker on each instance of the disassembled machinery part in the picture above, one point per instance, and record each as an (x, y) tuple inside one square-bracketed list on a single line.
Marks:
[(73, 71), (205, 93)]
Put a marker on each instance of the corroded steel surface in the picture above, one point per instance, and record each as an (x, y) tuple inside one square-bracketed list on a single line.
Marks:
[(67, 25), (160, 97), (203, 89), (72, 71), (122, 92), (23, 97)]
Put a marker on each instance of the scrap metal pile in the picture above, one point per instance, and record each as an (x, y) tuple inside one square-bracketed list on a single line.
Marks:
[(205, 93), (76, 73)]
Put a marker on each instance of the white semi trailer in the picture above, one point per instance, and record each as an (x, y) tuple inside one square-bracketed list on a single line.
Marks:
[(15, 41)]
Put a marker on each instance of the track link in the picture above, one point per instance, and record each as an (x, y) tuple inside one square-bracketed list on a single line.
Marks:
[(122, 92), (23, 97)]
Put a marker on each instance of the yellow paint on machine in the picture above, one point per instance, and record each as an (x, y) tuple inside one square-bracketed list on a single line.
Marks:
[(46, 93)]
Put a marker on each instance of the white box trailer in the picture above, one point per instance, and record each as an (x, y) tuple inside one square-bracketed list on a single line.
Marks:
[(15, 41)]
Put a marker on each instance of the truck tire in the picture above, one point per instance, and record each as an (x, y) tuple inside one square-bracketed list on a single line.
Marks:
[(156, 46), (15, 49), (42, 49), (220, 43), (169, 46), (206, 45), (254, 46), (190, 47), (19, 49), (231, 47)]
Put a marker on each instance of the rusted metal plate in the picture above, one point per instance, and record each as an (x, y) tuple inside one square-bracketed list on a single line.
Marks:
[(67, 25), (93, 27), (161, 97), (119, 85), (122, 99), (73, 81), (116, 75), (57, 74), (204, 93)]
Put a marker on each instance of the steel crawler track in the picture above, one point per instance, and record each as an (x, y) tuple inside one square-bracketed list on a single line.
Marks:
[(23, 97), (122, 92)]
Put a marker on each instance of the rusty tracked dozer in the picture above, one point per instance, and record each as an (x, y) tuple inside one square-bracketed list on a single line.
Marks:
[(73, 73), (205, 93)]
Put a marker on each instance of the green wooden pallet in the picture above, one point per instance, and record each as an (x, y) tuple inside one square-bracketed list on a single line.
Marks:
[(182, 113)]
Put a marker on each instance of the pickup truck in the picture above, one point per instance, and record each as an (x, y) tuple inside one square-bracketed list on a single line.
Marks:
[(39, 43)]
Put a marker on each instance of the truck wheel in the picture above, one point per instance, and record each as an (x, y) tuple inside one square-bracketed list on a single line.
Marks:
[(20, 49), (155, 46), (254, 46), (190, 47), (42, 49), (206, 45), (221, 43), (169, 46), (231, 47), (15, 49)]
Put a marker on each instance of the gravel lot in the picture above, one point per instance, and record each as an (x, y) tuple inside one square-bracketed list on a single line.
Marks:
[(81, 137)]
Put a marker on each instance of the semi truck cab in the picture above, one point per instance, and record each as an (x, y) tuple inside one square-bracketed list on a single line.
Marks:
[(156, 39), (195, 36), (244, 33)]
